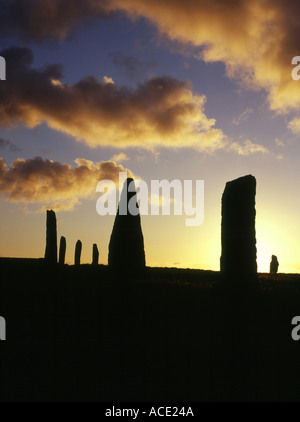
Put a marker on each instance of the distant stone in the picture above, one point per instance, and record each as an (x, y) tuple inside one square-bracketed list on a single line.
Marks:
[(95, 254), (274, 264), (126, 247), (62, 250), (51, 239), (78, 250), (238, 259)]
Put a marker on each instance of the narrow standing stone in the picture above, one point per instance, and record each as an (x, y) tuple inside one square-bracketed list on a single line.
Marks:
[(238, 258), (51, 239), (78, 250), (62, 250), (95, 254)]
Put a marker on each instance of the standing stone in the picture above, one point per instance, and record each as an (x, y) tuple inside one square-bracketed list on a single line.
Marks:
[(51, 239), (78, 250), (95, 254), (126, 247), (238, 260), (62, 250), (274, 264)]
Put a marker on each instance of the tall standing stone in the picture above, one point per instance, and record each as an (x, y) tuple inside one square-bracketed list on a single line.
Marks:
[(95, 254), (51, 239), (78, 249), (126, 247), (238, 260), (62, 250)]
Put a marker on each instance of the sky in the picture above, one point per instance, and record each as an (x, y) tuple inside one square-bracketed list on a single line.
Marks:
[(162, 89)]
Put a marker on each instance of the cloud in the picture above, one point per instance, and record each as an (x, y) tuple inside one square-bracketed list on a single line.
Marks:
[(108, 80), (279, 142), (242, 117), (4, 143), (38, 20), (255, 39), (52, 184), (247, 147), (294, 125), (133, 67), (159, 112), (119, 158)]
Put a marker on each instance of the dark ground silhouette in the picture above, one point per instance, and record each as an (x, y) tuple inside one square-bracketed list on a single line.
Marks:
[(91, 333), (79, 334)]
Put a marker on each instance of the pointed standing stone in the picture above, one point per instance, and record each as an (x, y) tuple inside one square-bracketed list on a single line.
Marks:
[(78, 250), (126, 247), (51, 239), (95, 254), (62, 250), (238, 260)]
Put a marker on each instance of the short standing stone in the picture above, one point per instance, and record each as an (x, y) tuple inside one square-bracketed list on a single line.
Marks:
[(274, 264), (95, 254), (51, 239), (62, 250), (78, 250)]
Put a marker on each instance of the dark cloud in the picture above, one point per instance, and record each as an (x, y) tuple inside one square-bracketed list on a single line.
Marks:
[(4, 143), (160, 111), (41, 19), (133, 67), (255, 39), (52, 184)]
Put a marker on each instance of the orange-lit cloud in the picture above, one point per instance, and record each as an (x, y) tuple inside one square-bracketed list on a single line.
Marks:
[(161, 111), (52, 184), (255, 39)]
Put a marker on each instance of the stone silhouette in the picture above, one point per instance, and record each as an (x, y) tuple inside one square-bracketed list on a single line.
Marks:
[(126, 247), (238, 260), (274, 264), (62, 250), (78, 249), (51, 239), (95, 254)]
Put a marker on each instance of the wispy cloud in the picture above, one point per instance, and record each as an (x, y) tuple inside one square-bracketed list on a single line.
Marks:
[(242, 117), (120, 158), (247, 148)]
